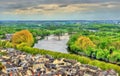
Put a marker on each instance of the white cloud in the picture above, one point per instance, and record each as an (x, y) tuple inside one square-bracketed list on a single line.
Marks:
[(49, 9), (52, 8)]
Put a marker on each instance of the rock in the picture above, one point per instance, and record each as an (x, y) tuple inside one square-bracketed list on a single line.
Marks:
[(24, 64), (70, 61), (48, 56)]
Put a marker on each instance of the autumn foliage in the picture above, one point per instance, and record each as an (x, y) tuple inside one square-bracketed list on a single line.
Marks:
[(23, 36), (84, 42)]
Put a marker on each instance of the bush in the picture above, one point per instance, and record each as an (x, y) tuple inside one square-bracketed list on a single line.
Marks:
[(102, 54), (8, 44), (114, 57), (105, 66), (5, 44)]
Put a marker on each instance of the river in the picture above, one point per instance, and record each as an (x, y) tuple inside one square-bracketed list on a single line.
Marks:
[(52, 43)]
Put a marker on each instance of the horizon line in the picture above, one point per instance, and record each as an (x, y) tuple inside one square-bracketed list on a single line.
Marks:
[(63, 20)]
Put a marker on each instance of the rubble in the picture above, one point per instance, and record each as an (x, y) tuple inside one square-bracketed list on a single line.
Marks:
[(18, 63)]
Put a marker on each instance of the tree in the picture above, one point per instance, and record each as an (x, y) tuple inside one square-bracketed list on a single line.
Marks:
[(84, 43), (58, 33), (103, 45), (70, 31), (23, 36), (114, 57), (102, 54), (116, 45), (46, 33)]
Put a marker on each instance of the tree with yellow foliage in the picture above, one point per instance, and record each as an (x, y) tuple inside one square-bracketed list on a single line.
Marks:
[(23, 36), (84, 43)]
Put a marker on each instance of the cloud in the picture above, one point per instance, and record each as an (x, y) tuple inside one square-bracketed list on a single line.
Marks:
[(56, 1), (63, 5), (17, 4), (61, 8), (111, 4), (49, 9), (52, 8)]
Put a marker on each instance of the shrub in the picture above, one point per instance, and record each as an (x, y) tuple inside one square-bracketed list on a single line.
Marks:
[(114, 57), (102, 54), (8, 44), (3, 43)]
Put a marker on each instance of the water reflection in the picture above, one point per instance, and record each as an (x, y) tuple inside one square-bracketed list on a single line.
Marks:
[(52, 43)]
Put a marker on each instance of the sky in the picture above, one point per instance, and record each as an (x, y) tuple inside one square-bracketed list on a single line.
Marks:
[(59, 9)]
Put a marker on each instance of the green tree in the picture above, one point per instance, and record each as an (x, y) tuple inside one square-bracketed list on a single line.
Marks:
[(114, 57), (58, 33)]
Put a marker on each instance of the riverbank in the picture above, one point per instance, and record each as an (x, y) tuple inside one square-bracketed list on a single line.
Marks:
[(100, 46)]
